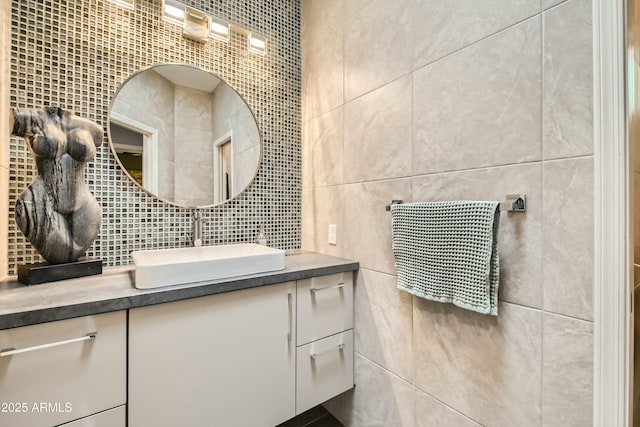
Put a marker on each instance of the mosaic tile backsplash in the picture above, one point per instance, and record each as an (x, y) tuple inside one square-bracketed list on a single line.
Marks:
[(76, 53)]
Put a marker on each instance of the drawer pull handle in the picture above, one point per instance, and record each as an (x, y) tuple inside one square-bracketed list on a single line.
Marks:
[(339, 285), (338, 348), (12, 351)]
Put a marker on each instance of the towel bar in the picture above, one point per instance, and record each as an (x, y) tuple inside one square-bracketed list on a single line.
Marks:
[(393, 202), (513, 203)]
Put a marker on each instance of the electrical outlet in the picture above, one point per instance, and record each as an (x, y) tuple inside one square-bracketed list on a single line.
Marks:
[(333, 234)]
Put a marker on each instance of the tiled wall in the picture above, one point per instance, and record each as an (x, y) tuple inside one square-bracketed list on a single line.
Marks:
[(5, 39), (132, 102), (75, 54), (237, 118), (438, 100), (200, 175)]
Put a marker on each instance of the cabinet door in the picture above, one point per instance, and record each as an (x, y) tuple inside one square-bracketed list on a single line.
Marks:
[(221, 360), (64, 370)]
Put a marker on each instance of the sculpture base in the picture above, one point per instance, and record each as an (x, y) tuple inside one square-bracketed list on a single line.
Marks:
[(42, 272)]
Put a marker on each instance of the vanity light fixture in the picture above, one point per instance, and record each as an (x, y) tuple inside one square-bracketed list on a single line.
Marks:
[(257, 43), (173, 11), (219, 29), (196, 25), (127, 4), (200, 26)]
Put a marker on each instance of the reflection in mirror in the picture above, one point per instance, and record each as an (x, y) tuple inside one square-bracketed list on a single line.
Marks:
[(184, 135)]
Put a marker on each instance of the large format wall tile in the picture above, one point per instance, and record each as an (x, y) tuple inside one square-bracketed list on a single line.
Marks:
[(353, 6), (322, 71), (377, 46), (567, 373), (431, 413), (322, 150), (480, 120), (480, 106), (321, 18), (377, 133), (520, 234), (380, 399), (321, 207), (191, 106), (384, 322), (568, 237), (568, 80), (194, 184), (440, 28), (367, 226), (546, 4), (488, 368)]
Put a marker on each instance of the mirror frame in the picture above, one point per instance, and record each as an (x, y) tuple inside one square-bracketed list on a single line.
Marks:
[(131, 179)]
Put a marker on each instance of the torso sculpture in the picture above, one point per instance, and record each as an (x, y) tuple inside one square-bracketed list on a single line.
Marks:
[(57, 213)]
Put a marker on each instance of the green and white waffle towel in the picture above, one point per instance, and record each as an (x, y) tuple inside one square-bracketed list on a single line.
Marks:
[(448, 252)]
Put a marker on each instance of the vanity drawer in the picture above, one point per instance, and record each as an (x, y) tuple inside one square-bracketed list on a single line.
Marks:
[(58, 373), (324, 370), (116, 417), (325, 306)]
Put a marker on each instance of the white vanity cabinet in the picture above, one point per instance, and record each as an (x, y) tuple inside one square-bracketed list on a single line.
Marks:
[(180, 355), (325, 339), (219, 360), (61, 371)]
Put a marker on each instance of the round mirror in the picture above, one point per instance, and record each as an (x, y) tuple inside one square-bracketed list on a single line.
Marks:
[(184, 135)]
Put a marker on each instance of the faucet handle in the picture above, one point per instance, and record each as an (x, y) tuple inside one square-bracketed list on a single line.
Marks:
[(196, 236)]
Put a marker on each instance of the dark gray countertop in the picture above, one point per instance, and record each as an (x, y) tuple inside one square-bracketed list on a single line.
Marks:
[(22, 305)]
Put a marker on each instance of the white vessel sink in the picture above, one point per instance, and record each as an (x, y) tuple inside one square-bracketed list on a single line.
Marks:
[(165, 267)]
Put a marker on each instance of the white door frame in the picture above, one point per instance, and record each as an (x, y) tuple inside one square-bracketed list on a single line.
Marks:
[(217, 166), (612, 267), (150, 149)]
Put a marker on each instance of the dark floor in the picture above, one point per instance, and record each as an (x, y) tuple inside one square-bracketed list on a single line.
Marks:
[(314, 417)]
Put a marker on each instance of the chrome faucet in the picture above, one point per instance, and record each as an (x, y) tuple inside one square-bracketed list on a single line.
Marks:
[(196, 215)]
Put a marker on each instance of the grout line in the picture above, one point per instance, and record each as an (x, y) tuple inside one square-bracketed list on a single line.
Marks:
[(343, 216), (449, 172), (554, 6), (413, 386), (448, 406), (472, 169), (384, 369), (566, 316), (559, 159), (542, 151)]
